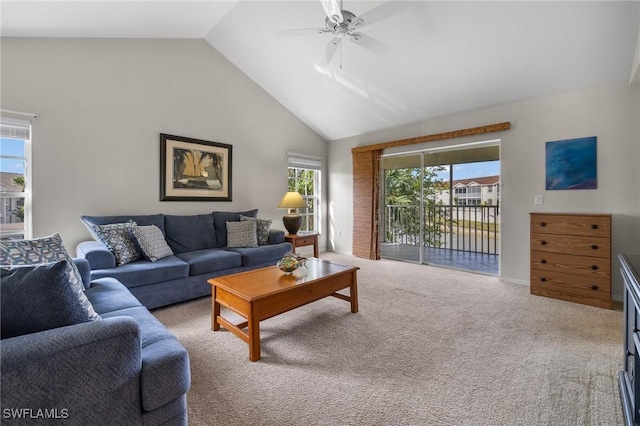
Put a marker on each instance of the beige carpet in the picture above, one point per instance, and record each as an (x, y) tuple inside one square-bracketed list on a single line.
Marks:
[(429, 346)]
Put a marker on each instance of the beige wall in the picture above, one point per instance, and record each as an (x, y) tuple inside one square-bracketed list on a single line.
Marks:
[(102, 105), (610, 113)]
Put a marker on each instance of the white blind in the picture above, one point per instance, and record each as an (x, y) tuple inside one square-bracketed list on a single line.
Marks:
[(13, 128), (305, 162)]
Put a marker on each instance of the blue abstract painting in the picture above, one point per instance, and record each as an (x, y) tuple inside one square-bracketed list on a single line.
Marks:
[(571, 164)]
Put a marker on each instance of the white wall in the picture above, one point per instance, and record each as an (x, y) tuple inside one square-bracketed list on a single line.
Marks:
[(611, 113), (102, 105)]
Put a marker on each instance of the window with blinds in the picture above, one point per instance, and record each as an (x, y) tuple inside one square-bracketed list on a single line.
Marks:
[(15, 143), (304, 176)]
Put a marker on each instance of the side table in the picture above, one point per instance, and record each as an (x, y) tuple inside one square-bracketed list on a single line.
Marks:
[(303, 239)]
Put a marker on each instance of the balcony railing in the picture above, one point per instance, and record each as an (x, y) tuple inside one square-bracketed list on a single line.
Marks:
[(473, 229)]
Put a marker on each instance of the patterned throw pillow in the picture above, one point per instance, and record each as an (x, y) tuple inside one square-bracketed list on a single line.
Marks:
[(42, 251), (151, 242), (117, 237), (262, 229), (242, 234), (38, 297)]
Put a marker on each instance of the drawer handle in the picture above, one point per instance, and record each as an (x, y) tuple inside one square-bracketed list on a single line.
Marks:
[(594, 267), (543, 224), (594, 287), (595, 247), (543, 242), (594, 226), (543, 279), (543, 261)]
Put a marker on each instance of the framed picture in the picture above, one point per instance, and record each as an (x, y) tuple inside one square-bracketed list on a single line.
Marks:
[(194, 170), (572, 164)]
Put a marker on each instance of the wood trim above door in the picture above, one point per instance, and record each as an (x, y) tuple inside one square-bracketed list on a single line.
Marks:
[(498, 127)]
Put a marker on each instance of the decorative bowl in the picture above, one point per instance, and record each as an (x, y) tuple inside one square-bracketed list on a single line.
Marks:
[(288, 264)]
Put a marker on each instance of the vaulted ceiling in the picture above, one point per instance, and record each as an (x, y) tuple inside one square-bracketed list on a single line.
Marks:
[(434, 58)]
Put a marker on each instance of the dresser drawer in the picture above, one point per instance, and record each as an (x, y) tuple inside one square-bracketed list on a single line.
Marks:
[(571, 244), (572, 288), (566, 263), (596, 225), (593, 286)]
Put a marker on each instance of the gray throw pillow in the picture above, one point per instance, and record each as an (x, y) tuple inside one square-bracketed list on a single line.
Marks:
[(117, 237), (38, 297), (242, 234), (41, 251), (151, 242), (262, 228)]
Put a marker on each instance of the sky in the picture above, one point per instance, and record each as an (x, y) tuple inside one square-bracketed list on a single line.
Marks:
[(472, 170), (11, 147)]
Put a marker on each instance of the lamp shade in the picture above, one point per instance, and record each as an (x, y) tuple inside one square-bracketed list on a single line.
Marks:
[(292, 200)]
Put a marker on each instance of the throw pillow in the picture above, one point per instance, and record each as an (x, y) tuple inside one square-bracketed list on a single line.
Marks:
[(242, 234), (262, 229), (151, 242), (38, 297), (41, 251), (220, 220), (117, 237)]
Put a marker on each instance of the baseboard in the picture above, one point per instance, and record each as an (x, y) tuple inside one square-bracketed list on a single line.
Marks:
[(514, 281)]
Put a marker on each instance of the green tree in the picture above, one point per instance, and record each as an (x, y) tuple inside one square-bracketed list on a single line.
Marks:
[(402, 193), (19, 212), (19, 180)]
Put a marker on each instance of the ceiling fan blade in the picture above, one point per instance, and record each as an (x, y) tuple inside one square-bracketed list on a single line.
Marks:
[(332, 48), (379, 13), (370, 43), (301, 32), (332, 9)]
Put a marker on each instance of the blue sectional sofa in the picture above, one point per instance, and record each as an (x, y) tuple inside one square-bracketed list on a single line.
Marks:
[(200, 248), (123, 369)]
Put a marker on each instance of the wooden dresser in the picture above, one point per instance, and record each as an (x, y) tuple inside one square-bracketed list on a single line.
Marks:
[(571, 257)]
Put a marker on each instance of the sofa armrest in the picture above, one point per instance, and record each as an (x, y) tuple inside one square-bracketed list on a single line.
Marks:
[(276, 236), (87, 372), (85, 270), (98, 255)]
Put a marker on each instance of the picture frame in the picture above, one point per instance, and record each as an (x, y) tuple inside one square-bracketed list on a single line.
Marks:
[(194, 169), (572, 164)]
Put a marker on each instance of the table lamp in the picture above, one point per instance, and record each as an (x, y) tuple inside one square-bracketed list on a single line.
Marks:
[(292, 220)]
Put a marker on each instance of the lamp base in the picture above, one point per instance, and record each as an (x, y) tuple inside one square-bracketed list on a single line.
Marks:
[(292, 222)]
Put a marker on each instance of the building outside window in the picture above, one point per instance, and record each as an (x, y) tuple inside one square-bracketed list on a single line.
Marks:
[(15, 142), (304, 177)]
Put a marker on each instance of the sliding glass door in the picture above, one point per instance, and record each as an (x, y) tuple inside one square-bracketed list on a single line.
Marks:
[(442, 207)]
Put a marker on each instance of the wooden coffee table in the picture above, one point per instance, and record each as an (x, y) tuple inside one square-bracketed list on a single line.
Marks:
[(263, 293)]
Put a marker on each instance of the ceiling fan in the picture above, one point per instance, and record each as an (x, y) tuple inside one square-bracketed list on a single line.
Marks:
[(345, 24)]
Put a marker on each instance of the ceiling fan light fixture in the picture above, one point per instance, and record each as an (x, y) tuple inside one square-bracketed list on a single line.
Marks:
[(332, 9)]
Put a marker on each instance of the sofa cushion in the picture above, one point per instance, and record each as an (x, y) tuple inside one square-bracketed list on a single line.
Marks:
[(263, 255), (242, 234), (118, 239), (143, 272), (142, 220), (45, 250), (165, 372), (39, 297), (220, 220), (210, 260), (189, 233), (262, 228), (150, 242), (108, 295)]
